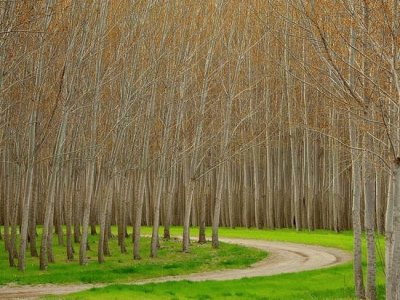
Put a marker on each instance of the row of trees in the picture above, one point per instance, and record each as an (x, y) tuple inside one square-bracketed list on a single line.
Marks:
[(262, 114)]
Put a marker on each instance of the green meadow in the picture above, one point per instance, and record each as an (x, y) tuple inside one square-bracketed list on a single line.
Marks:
[(120, 269), (330, 283)]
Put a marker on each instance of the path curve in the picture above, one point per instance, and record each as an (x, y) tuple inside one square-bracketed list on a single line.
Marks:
[(282, 258)]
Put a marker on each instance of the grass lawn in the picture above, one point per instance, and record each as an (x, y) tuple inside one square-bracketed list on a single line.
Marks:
[(122, 268), (331, 283)]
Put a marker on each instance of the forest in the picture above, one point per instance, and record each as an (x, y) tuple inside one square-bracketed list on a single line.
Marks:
[(131, 118)]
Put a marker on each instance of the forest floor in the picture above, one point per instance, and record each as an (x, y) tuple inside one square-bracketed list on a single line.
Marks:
[(283, 257)]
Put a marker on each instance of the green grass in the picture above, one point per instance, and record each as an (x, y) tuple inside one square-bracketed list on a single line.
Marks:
[(122, 268), (331, 283)]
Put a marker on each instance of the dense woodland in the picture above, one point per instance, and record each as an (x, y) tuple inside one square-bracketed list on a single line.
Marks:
[(252, 113)]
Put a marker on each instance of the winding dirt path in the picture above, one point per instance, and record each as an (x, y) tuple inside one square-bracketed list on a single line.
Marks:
[(282, 258)]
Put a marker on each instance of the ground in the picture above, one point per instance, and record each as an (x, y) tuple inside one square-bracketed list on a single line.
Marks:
[(121, 267), (332, 283)]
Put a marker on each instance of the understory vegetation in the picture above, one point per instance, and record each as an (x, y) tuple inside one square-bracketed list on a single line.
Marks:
[(334, 283), (330, 283), (120, 267)]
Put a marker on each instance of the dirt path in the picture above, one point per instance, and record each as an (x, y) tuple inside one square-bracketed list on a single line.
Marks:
[(283, 258)]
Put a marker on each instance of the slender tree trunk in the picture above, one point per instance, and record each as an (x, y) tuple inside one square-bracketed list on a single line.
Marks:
[(91, 165), (203, 208), (161, 180), (170, 200), (143, 175), (393, 186), (50, 202), (69, 184), (293, 152), (368, 168), (356, 212), (103, 222), (356, 178), (28, 190), (32, 222)]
